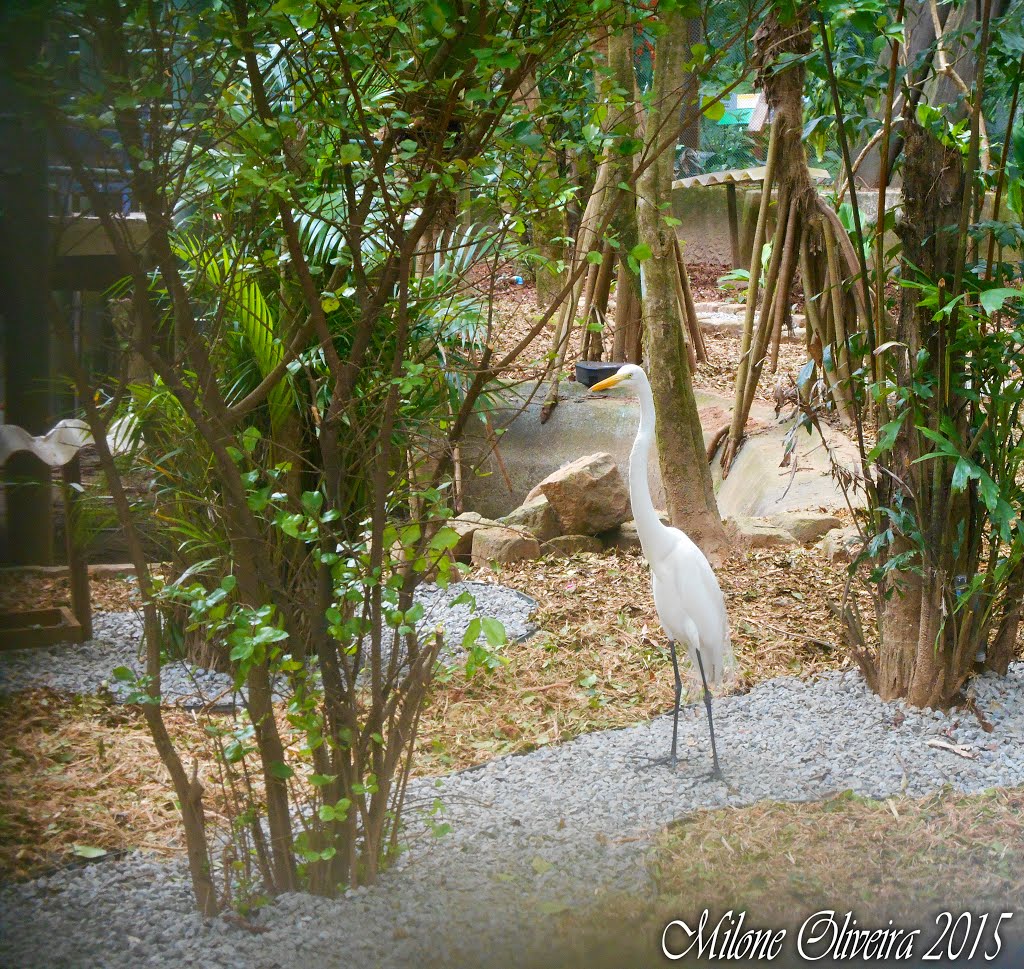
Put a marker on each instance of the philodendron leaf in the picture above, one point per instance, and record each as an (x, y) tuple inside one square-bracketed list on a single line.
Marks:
[(992, 300)]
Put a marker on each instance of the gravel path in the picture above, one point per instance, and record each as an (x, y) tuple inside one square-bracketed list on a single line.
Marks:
[(87, 667), (531, 835)]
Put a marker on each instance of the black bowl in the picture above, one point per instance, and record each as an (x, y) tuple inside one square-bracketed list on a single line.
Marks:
[(590, 372)]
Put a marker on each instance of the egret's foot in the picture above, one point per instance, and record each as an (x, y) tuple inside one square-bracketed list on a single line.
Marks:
[(669, 760)]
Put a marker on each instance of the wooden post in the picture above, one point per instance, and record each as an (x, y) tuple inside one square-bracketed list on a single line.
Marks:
[(78, 568), (25, 283), (734, 224)]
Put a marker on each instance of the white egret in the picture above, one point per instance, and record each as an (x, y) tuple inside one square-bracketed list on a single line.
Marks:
[(687, 596)]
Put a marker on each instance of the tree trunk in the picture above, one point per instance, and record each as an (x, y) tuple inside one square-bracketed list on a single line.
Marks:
[(926, 650), (624, 224), (550, 225), (683, 461), (953, 62)]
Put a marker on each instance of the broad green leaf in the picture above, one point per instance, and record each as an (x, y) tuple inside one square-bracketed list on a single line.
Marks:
[(347, 154), (471, 634), (494, 631), (887, 434), (992, 300)]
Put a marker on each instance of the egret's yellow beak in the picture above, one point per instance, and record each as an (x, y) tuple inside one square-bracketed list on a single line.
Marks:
[(609, 382)]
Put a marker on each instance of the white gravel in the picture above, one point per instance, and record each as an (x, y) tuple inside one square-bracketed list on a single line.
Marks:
[(531, 835), (87, 667)]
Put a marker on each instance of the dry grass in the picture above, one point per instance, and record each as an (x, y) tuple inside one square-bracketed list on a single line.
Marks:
[(82, 771), (718, 375), (110, 593), (895, 859), (900, 859), (601, 659)]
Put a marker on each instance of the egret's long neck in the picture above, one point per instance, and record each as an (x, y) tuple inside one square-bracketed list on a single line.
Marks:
[(654, 536)]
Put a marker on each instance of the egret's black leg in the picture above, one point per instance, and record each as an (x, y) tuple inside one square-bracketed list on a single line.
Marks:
[(672, 760), (679, 692), (717, 772)]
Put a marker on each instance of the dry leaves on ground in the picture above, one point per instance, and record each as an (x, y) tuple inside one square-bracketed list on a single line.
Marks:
[(601, 659), (83, 771), (29, 590), (894, 863)]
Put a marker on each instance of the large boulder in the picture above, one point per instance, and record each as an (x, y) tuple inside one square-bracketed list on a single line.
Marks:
[(588, 495), (536, 516), (496, 543)]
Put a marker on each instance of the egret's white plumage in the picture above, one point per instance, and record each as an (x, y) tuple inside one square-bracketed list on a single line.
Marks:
[(687, 596)]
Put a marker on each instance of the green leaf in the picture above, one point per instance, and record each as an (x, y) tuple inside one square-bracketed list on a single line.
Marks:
[(348, 154), (123, 674), (641, 251), (992, 300), (281, 770), (713, 110), (250, 438), (887, 434), (594, 257), (494, 632), (312, 502), (962, 473), (541, 865), (444, 539), (88, 851), (471, 634)]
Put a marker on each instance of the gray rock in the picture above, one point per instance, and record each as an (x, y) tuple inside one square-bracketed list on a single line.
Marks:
[(466, 525), (806, 526), (841, 544), (625, 538), (536, 516), (759, 533)]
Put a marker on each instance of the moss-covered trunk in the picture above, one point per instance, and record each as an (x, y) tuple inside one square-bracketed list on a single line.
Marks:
[(684, 465)]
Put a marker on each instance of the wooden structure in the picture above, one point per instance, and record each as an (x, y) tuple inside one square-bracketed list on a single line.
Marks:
[(746, 177), (32, 628)]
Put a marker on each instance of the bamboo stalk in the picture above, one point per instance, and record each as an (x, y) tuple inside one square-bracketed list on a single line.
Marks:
[(686, 324), (767, 316), (787, 271), (692, 322), (836, 295), (760, 231), (563, 332), (819, 322)]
